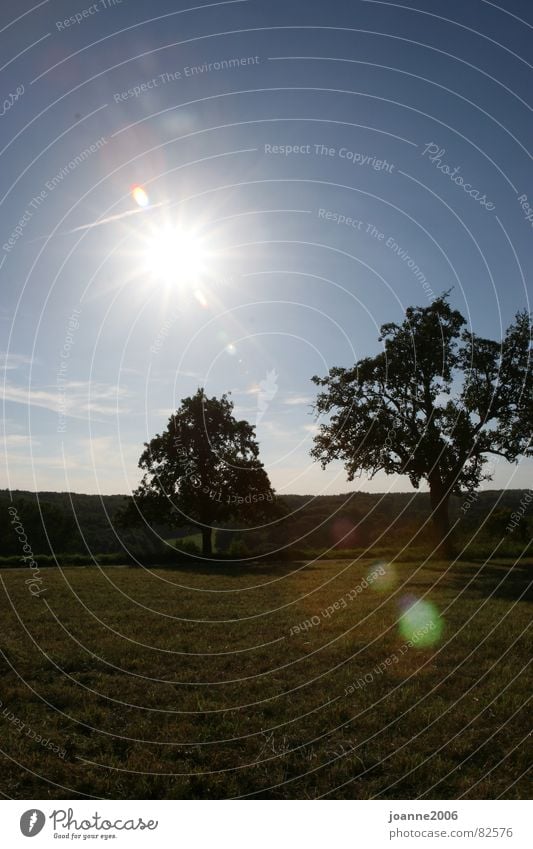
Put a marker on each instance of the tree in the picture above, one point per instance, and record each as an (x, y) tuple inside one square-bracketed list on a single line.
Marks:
[(204, 469), (432, 405)]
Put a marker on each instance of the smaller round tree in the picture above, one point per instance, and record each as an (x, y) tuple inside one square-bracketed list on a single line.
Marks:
[(204, 469)]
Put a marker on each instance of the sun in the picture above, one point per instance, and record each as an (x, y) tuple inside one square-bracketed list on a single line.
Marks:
[(176, 255)]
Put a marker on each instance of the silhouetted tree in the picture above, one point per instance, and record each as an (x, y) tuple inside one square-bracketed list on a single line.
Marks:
[(204, 469), (432, 405)]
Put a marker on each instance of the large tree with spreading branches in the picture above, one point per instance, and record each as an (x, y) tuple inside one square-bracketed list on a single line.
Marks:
[(203, 470), (434, 404)]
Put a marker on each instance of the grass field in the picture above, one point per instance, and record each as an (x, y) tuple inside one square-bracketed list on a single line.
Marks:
[(199, 682)]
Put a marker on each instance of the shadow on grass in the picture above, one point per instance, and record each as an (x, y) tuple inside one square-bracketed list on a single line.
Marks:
[(232, 568), (495, 578)]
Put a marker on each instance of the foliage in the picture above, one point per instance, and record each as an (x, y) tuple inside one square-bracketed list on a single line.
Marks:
[(238, 548), (432, 405), (46, 527), (204, 469), (385, 523), (187, 546)]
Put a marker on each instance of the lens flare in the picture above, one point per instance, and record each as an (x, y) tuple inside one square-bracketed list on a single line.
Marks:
[(420, 622), (343, 533), (140, 196), (384, 576), (200, 297)]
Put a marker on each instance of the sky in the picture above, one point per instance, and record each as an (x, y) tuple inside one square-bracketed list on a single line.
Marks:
[(293, 154)]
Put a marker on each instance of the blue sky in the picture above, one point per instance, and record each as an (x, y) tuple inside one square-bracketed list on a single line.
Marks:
[(304, 159)]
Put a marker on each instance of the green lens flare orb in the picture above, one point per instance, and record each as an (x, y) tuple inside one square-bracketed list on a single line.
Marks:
[(420, 623)]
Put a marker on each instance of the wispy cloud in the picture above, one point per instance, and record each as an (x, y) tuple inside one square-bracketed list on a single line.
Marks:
[(88, 459), (298, 400), (110, 218), (160, 375), (10, 361), (105, 452), (17, 440), (77, 399), (253, 390), (162, 412)]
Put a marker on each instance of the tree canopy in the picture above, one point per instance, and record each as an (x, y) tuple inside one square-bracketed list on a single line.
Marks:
[(204, 469), (432, 405)]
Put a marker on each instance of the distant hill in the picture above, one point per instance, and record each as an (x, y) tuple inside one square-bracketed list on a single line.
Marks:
[(68, 522), (71, 522)]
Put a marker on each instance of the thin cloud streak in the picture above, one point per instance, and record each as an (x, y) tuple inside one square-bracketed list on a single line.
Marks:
[(109, 220)]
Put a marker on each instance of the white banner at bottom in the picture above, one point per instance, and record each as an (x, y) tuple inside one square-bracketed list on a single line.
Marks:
[(267, 824)]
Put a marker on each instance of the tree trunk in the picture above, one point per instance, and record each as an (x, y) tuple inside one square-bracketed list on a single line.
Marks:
[(440, 500), (207, 545)]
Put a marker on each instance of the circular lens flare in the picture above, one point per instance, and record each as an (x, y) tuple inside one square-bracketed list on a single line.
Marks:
[(420, 623), (200, 297), (343, 533), (384, 576), (140, 196)]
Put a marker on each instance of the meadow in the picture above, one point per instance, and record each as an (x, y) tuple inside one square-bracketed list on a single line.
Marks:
[(225, 680)]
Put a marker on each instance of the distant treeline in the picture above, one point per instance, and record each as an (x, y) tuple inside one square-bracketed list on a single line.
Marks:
[(365, 520), (69, 522), (72, 523)]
